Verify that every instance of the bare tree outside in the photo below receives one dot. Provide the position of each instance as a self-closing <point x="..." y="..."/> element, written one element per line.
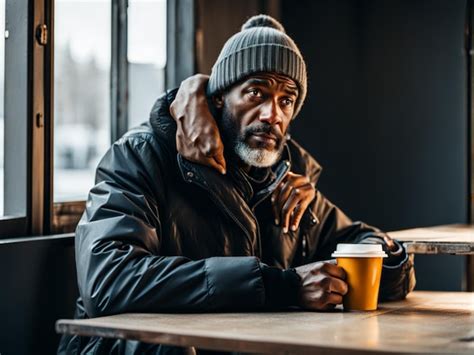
<point x="82" y="103"/>
<point x="82" y="83"/>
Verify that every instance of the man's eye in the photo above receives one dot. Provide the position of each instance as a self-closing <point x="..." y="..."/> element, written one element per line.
<point x="287" y="102"/>
<point x="255" y="92"/>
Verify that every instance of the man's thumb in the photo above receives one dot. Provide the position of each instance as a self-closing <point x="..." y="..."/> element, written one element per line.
<point x="220" y="161"/>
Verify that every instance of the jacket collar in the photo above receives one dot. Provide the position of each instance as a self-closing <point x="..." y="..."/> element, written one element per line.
<point x="211" y="179"/>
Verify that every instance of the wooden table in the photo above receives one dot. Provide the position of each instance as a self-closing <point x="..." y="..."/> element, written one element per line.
<point x="426" y="322"/>
<point x="449" y="239"/>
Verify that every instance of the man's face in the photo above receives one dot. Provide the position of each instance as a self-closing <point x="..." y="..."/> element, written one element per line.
<point x="256" y="114"/>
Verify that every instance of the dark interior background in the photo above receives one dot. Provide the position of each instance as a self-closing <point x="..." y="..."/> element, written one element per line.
<point x="385" y="116"/>
<point x="386" y="113"/>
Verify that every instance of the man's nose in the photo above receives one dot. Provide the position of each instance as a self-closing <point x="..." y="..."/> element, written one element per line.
<point x="270" y="113"/>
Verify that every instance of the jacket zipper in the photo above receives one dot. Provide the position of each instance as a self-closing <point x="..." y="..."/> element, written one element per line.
<point x="259" y="240"/>
<point x="218" y="201"/>
<point x="303" y="247"/>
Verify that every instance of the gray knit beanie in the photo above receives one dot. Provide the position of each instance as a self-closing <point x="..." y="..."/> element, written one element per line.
<point x="261" y="46"/>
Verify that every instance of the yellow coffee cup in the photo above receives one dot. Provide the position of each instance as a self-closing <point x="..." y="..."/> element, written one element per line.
<point x="363" y="266"/>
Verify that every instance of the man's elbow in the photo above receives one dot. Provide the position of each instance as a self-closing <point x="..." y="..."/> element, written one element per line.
<point x="396" y="294"/>
<point x="398" y="283"/>
<point x="97" y="304"/>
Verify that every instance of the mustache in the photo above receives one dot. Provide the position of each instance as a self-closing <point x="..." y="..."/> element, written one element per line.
<point x="263" y="128"/>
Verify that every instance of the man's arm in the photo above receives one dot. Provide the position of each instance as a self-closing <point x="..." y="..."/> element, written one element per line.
<point x="118" y="243"/>
<point x="197" y="136"/>
<point x="334" y="226"/>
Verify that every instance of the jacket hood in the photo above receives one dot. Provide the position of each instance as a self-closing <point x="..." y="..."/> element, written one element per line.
<point x="160" y="118"/>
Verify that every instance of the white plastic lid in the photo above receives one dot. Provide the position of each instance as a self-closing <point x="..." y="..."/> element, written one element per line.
<point x="359" y="251"/>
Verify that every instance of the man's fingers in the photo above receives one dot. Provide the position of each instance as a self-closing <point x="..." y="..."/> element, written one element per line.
<point x="331" y="270"/>
<point x="338" y="286"/>
<point x="290" y="182"/>
<point x="325" y="301"/>
<point x="210" y="162"/>
<point x="276" y="214"/>
<point x="282" y="199"/>
<point x="172" y="110"/>
<point x="327" y="283"/>
<point x="334" y="299"/>
<point x="297" y="215"/>
<point x="289" y="207"/>
<point x="292" y="211"/>
<point x="289" y="200"/>
<point x="307" y="198"/>
<point x="279" y="189"/>
<point x="205" y="152"/>
<point x="220" y="160"/>
<point x="214" y="163"/>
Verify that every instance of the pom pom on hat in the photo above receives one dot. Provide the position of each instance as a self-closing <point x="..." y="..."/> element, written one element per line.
<point x="263" y="21"/>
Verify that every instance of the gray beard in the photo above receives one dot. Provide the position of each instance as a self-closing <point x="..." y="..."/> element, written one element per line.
<point x="257" y="157"/>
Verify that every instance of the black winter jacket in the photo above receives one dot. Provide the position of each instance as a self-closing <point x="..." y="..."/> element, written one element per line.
<point x="162" y="234"/>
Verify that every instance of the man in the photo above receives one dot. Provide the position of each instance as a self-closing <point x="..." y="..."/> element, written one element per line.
<point x="164" y="234"/>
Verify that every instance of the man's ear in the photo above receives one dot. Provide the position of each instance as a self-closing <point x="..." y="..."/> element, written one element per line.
<point x="218" y="101"/>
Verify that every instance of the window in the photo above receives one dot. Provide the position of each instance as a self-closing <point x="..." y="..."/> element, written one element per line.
<point x="82" y="83"/>
<point x="15" y="84"/>
<point x="82" y="94"/>
<point x="13" y="108"/>
<point x="104" y="83"/>
<point x="146" y="56"/>
<point x="2" y="86"/>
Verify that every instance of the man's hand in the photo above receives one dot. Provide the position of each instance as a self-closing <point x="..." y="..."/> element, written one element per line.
<point x="290" y="199"/>
<point x="197" y="136"/>
<point x="322" y="285"/>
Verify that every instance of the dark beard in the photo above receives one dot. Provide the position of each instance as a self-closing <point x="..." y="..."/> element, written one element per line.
<point x="228" y="129"/>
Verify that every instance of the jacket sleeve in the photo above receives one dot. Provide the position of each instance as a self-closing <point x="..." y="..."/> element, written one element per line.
<point x="333" y="226"/>
<point x="118" y="245"/>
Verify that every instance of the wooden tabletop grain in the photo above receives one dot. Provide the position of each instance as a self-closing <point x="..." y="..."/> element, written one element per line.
<point x="448" y="239"/>
<point x="426" y="322"/>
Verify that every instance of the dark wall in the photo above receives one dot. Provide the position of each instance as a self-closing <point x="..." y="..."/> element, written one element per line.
<point x="386" y="113"/>
<point x="37" y="287"/>
<point x="217" y="20"/>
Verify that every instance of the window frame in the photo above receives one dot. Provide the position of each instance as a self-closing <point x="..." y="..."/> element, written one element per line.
<point x="23" y="137"/>
<point x="119" y="69"/>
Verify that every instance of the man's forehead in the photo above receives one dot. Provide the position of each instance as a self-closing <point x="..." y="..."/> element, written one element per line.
<point x="272" y="79"/>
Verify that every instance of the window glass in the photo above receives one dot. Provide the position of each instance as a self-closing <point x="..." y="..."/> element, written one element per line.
<point x="2" y="86"/>
<point x="82" y="94"/>
<point x="146" y="56"/>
